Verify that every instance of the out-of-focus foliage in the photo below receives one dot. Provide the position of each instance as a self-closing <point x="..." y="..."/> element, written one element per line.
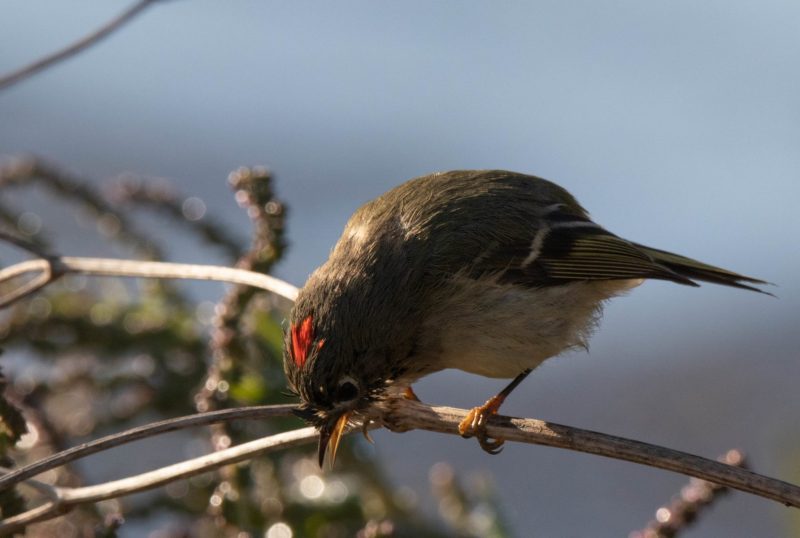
<point x="87" y="357"/>
<point x="12" y="428"/>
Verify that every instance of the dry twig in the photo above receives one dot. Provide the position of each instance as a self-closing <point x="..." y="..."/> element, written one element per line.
<point x="405" y="415"/>
<point x="684" y="508"/>
<point x="67" y="498"/>
<point x="22" y="73"/>
<point x="64" y="457"/>
<point x="58" y="266"/>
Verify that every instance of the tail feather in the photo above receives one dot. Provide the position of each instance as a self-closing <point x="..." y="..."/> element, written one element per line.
<point x="695" y="270"/>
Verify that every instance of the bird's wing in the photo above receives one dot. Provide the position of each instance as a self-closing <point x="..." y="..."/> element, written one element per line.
<point x="701" y="271"/>
<point x="567" y="246"/>
<point x="539" y="236"/>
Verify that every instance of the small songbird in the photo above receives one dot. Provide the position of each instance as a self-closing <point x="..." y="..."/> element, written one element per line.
<point x="487" y="271"/>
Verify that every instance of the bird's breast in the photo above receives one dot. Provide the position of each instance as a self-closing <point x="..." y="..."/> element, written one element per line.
<point x="499" y="330"/>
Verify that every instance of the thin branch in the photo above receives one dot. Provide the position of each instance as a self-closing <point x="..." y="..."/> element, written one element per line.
<point x="406" y="414"/>
<point x="33" y="285"/>
<point x="189" y="468"/>
<point x="403" y="415"/>
<point x="23" y="244"/>
<point x="12" y="477"/>
<point x="150" y="193"/>
<point x="143" y="269"/>
<point x="41" y="280"/>
<point x="684" y="508"/>
<point x="24" y="171"/>
<point x="70" y="497"/>
<point x="24" y="72"/>
<point x="45" y="489"/>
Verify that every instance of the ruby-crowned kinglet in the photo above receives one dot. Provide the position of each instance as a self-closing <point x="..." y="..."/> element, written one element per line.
<point x="490" y="272"/>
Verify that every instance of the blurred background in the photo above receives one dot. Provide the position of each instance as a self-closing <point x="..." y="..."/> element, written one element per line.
<point x="676" y="125"/>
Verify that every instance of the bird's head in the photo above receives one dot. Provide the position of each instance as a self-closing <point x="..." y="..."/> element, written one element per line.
<point x="333" y="391"/>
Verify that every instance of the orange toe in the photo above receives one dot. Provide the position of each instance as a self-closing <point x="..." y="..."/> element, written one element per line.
<point x="474" y="425"/>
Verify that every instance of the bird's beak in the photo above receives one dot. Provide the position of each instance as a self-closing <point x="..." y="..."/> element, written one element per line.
<point x="330" y="434"/>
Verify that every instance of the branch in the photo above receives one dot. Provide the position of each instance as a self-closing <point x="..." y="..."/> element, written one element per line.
<point x="22" y="73"/>
<point x="684" y="508"/>
<point x="403" y="415"/>
<point x="24" y="171"/>
<point x="67" y="498"/>
<point x="12" y="477"/>
<point x="61" y="265"/>
<point x="406" y="414"/>
<point x="151" y="193"/>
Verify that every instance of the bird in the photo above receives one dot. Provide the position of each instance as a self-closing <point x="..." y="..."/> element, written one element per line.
<point x="487" y="271"/>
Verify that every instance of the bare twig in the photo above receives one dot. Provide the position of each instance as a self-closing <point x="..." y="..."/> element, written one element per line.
<point x="24" y="244"/>
<point x="41" y="280"/>
<point x="45" y="489"/>
<point x="70" y="497"/>
<point x="12" y="477"/>
<point x="12" y="78"/>
<point x="24" y="171"/>
<point x="144" y="269"/>
<point x="406" y="414"/>
<point x="145" y="192"/>
<point x="684" y="508"/>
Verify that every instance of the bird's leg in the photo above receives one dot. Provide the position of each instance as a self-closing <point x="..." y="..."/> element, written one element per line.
<point x="474" y="424"/>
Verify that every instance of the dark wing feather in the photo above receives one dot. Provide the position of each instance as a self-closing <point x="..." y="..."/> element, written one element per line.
<point x="701" y="271"/>
<point x="595" y="254"/>
<point x="589" y="253"/>
<point x="541" y="236"/>
<point x="592" y="253"/>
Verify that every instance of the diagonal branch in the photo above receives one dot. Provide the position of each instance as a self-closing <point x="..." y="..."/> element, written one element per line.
<point x="12" y="477"/>
<point x="407" y="414"/>
<point x="67" y="498"/>
<point x="24" y="72"/>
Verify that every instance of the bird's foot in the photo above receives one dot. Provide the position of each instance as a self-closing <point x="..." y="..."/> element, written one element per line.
<point x="474" y="425"/>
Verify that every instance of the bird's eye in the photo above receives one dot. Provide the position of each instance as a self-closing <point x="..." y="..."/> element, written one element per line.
<point x="347" y="390"/>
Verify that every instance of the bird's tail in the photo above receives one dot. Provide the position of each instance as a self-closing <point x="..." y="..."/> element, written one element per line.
<point x="695" y="270"/>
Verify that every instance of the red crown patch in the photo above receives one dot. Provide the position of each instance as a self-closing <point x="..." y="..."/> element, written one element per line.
<point x="302" y="337"/>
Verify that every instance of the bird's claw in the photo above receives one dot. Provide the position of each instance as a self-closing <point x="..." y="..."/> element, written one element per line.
<point x="365" y="432"/>
<point x="492" y="446"/>
<point x="474" y="425"/>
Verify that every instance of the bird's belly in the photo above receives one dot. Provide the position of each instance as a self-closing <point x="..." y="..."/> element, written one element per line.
<point x="497" y="330"/>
